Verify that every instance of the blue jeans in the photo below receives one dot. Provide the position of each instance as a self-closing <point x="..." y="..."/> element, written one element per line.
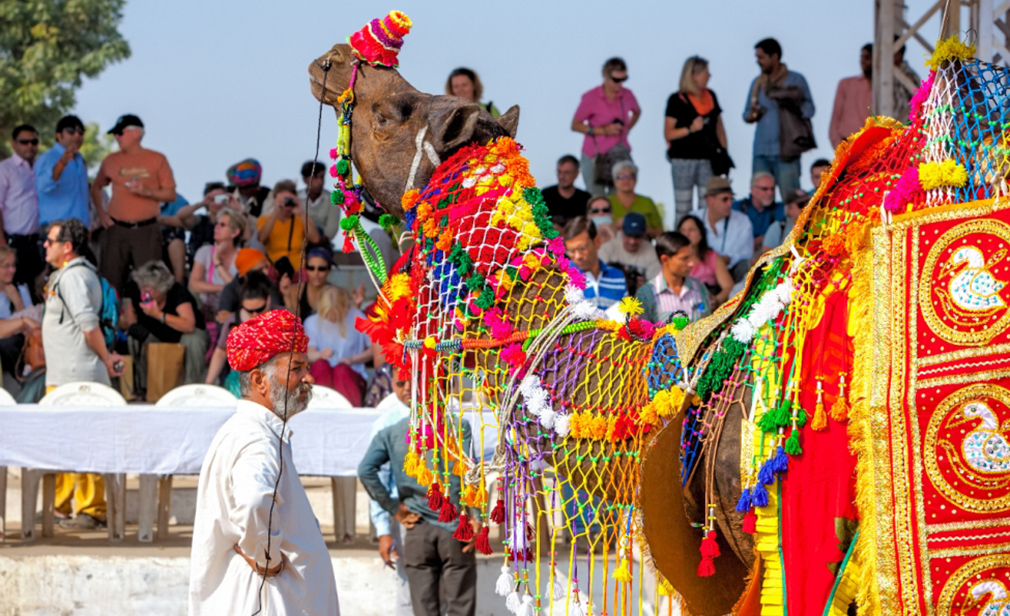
<point x="787" y="173"/>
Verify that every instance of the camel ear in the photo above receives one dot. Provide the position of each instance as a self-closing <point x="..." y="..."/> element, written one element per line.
<point x="510" y="121"/>
<point x="455" y="128"/>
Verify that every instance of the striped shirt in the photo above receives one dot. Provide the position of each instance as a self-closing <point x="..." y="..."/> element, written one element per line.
<point x="660" y="303"/>
<point x="608" y="289"/>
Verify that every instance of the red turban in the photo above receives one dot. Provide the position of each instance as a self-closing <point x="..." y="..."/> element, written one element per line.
<point x="257" y="340"/>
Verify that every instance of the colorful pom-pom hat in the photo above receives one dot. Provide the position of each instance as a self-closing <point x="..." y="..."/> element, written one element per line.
<point x="379" y="42"/>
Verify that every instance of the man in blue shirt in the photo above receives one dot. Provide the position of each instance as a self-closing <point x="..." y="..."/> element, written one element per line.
<point x="441" y="570"/>
<point x="776" y="83"/>
<point x="61" y="176"/>
<point x="760" y="205"/>
<point x="395" y="407"/>
<point x="605" y="285"/>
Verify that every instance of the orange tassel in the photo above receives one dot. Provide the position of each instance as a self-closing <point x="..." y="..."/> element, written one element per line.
<point x="840" y="409"/>
<point x="820" y="421"/>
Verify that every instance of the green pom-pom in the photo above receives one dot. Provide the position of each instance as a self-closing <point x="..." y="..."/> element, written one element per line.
<point x="475" y="282"/>
<point x="801" y="416"/>
<point x="680" y="322"/>
<point x="343" y="166"/>
<point x="337" y="197"/>
<point x="486" y="298"/>
<point x="783" y="414"/>
<point x="767" y="422"/>
<point x="349" y="223"/>
<point x="388" y="221"/>
<point x="793" y="444"/>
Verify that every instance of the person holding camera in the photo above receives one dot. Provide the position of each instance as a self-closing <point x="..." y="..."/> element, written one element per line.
<point x="606" y="114"/>
<point x="283" y="230"/>
<point x="201" y="227"/>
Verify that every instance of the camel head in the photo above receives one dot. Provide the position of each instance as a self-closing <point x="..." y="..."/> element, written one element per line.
<point x="399" y="135"/>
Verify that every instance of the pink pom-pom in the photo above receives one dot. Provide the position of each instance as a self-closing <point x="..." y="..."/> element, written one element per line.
<point x="915" y="105"/>
<point x="906" y="190"/>
<point x="333" y="171"/>
<point x="333" y="152"/>
<point x="514" y="355"/>
<point x="557" y="246"/>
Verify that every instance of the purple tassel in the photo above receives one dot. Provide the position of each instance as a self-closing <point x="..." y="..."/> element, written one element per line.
<point x="744" y="504"/>
<point x="760" y="495"/>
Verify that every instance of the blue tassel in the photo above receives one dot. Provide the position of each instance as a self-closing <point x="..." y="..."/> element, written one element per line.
<point x="780" y="463"/>
<point x="760" y="495"/>
<point x="744" y="504"/>
<point x="767" y="474"/>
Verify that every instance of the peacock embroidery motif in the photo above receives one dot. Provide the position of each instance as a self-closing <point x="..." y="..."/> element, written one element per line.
<point x="997" y="604"/>
<point x="985" y="448"/>
<point x="973" y="288"/>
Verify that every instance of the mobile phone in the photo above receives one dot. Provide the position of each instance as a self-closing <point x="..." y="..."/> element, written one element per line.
<point x="221" y="199"/>
<point x="146" y="298"/>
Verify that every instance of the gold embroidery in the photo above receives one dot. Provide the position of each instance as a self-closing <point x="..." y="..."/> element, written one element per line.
<point x="959" y="293"/>
<point x="960" y="354"/>
<point x="949" y="526"/>
<point x="979" y="569"/>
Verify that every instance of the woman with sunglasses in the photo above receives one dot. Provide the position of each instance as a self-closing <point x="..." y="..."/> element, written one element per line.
<point x="318" y="262"/>
<point x="599" y="211"/>
<point x="255" y="300"/>
<point x="606" y="114"/>
<point x="214" y="264"/>
<point x="694" y="136"/>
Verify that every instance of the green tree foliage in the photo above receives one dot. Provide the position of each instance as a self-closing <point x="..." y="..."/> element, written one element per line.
<point x="47" y="48"/>
<point x="97" y="145"/>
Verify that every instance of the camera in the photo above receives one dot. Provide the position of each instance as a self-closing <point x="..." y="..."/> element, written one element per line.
<point x="289" y="202"/>
<point x="221" y="199"/>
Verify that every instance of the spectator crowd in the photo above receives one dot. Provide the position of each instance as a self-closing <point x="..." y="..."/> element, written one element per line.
<point x="119" y="277"/>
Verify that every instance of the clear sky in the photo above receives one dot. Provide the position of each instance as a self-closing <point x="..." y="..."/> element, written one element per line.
<point x="216" y="81"/>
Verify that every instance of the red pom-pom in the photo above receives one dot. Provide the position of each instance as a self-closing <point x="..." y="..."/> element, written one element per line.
<point x="498" y="513"/>
<point x="348" y="244"/>
<point x="706" y="567"/>
<point x="448" y="512"/>
<point x="464" y="532"/>
<point x="750" y="522"/>
<point x="434" y="497"/>
<point x="482" y="543"/>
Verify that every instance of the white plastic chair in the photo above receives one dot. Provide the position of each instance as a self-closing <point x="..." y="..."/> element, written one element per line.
<point x="73" y="394"/>
<point x="6" y="399"/>
<point x="197" y="395"/>
<point x="326" y="398"/>
<point x="156" y="490"/>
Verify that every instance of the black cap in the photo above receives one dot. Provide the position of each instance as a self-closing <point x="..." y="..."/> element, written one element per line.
<point x="124" y="121"/>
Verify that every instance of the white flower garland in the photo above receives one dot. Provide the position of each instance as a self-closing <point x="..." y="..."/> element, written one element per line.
<point x="768" y="308"/>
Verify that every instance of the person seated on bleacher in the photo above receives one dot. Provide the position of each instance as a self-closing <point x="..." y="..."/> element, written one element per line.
<point x="318" y="262"/>
<point x="15" y="299"/>
<point x="247" y="260"/>
<point x="337" y="350"/>
<point x="162" y="310"/>
<point x="255" y="300"/>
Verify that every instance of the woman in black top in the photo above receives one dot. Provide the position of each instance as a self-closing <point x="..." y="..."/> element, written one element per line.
<point x="695" y="137"/>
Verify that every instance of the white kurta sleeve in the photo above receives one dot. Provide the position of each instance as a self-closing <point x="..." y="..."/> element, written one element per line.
<point x="252" y="482"/>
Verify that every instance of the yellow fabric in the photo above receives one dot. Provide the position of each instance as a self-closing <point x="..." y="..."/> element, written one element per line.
<point x="87" y="491"/>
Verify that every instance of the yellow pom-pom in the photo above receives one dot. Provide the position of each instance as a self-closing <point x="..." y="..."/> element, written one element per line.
<point x="630" y="306"/>
<point x="946" y="173"/>
<point x="424" y="476"/>
<point x="950" y="49"/>
<point x="429" y="342"/>
<point x="598" y="428"/>
<point x="623" y="571"/>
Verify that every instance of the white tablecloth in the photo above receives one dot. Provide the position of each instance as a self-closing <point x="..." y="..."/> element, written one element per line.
<point x="165" y="440"/>
<point x="174" y="441"/>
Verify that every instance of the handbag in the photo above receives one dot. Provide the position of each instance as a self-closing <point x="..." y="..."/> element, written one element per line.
<point x="164" y="368"/>
<point x="796" y="134"/>
<point x="603" y="164"/>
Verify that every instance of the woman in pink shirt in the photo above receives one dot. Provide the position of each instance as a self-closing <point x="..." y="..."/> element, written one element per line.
<point x="605" y="116"/>
<point x="708" y="267"/>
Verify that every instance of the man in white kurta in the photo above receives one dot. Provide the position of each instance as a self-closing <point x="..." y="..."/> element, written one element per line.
<point x="237" y="546"/>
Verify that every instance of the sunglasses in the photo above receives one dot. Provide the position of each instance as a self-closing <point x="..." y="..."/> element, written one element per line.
<point x="255" y="310"/>
<point x="597" y="210"/>
<point x="221" y="223"/>
<point x="618" y="79"/>
<point x="51" y="240"/>
<point x="318" y="268"/>
<point x="28" y="141"/>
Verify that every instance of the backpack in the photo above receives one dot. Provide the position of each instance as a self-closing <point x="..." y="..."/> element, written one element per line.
<point x="108" y="316"/>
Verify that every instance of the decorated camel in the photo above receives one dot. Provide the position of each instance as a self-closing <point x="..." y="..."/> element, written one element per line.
<point x="836" y="433"/>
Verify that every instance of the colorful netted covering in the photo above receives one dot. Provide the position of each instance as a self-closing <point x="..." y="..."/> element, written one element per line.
<point x="487" y="316"/>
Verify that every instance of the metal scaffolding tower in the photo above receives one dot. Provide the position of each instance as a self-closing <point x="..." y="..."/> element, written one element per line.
<point x="982" y="20"/>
